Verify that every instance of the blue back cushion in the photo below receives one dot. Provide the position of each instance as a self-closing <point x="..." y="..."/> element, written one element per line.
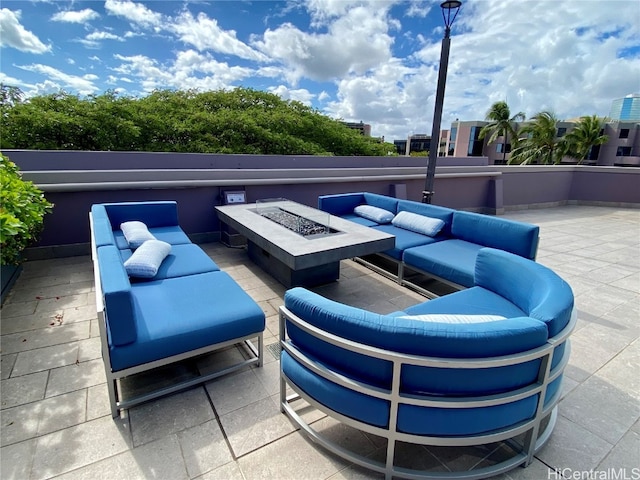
<point x="434" y="211"/>
<point x="340" y="204"/>
<point x="381" y="201"/>
<point x="152" y="214"/>
<point x="102" y="231"/>
<point x="417" y="338"/>
<point x="116" y="291"/>
<point x="515" y="237"/>
<point x="534" y="288"/>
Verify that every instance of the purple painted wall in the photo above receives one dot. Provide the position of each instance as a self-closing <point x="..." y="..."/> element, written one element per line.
<point x="476" y="187"/>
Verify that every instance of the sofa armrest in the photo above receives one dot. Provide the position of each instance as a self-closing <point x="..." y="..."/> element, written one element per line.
<point x="116" y="292"/>
<point x="340" y="204"/>
<point x="508" y="235"/>
<point x="152" y="214"/>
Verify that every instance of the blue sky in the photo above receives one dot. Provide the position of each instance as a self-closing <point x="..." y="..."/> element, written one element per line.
<point x="371" y="61"/>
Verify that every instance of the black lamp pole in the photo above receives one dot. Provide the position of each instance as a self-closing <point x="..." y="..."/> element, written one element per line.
<point x="450" y="11"/>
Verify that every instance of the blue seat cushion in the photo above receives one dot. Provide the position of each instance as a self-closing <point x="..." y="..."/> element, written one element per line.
<point x="352" y="217"/>
<point x="178" y="315"/>
<point x="184" y="259"/>
<point x="172" y="235"/>
<point x="404" y="239"/>
<point x="453" y="260"/>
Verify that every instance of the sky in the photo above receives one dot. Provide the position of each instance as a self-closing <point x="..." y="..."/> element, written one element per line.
<point x="371" y="61"/>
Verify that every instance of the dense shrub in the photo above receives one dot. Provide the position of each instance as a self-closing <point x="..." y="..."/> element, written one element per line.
<point x="22" y="210"/>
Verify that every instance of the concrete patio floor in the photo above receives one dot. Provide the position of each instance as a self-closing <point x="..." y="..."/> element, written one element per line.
<point x="56" y="423"/>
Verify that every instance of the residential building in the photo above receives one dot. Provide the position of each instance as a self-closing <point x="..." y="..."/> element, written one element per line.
<point x="626" y="109"/>
<point x="622" y="147"/>
<point x="363" y="128"/>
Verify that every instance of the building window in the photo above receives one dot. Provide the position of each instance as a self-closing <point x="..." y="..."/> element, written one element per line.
<point x="624" y="133"/>
<point x="475" y="144"/>
<point x="452" y="134"/>
<point x="500" y="145"/>
<point x="561" y="132"/>
<point x="451" y="150"/>
<point x="623" y="152"/>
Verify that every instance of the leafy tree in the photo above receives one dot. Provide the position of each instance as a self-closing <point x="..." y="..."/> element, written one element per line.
<point x="502" y="125"/>
<point x="538" y="141"/>
<point x="236" y="121"/>
<point x="585" y="135"/>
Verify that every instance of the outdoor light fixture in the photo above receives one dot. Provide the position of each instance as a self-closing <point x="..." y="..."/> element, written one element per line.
<point x="450" y="10"/>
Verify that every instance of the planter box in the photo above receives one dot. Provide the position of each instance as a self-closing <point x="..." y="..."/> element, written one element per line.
<point x="9" y="274"/>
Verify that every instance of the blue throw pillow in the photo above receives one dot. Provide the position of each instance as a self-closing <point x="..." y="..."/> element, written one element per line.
<point x="146" y="260"/>
<point x="418" y="223"/>
<point x="375" y="214"/>
<point x="136" y="233"/>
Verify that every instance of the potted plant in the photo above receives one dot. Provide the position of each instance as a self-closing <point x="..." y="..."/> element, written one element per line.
<point x="22" y="209"/>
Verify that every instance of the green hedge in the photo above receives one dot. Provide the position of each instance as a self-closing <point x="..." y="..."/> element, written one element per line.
<point x="21" y="212"/>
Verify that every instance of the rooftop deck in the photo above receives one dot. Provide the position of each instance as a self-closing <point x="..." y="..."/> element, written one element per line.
<point x="56" y="422"/>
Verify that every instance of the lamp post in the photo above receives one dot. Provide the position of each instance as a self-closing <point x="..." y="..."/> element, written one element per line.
<point x="450" y="10"/>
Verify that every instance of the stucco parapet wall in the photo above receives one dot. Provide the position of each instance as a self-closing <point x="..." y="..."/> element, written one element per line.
<point x="88" y="180"/>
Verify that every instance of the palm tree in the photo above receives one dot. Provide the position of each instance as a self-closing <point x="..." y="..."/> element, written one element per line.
<point x="502" y="124"/>
<point x="586" y="134"/>
<point x="539" y="142"/>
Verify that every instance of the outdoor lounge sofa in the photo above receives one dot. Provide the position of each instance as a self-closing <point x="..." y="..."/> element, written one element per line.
<point x="448" y="253"/>
<point x="446" y="372"/>
<point x="182" y="308"/>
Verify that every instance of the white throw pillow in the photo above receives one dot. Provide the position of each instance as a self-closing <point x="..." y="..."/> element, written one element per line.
<point x="375" y="214"/>
<point x="454" y="318"/>
<point x="136" y="233"/>
<point x="418" y="223"/>
<point x="146" y="260"/>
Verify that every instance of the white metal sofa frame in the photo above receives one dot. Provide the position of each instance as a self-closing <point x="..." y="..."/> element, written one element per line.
<point x="534" y="439"/>
<point x="399" y="277"/>
<point x="255" y="355"/>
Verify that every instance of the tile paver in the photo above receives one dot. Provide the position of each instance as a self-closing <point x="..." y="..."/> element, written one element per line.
<point x="55" y="416"/>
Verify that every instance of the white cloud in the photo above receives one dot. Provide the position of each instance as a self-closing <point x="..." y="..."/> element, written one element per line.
<point x="16" y="36"/>
<point x="79" y="16"/>
<point x="204" y="33"/>
<point x="354" y="43"/>
<point x="95" y="36"/>
<point x="301" y="95"/>
<point x="189" y="70"/>
<point x="549" y="55"/>
<point x="83" y="85"/>
<point x="136" y="13"/>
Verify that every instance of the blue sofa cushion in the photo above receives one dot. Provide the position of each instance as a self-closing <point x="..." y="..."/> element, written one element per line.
<point x="340" y="204"/>
<point x="381" y="201"/>
<point x="453" y="260"/>
<point x="454" y="318"/>
<point x="511" y="236"/>
<point x="152" y="214"/>
<point x="404" y="239"/>
<point x="173" y="235"/>
<point x="116" y="290"/>
<point x="478" y="340"/>
<point x="184" y="259"/>
<point x="146" y="260"/>
<point x="101" y="226"/>
<point x="371" y="410"/>
<point x="376" y="214"/>
<point x="551" y="300"/>
<point x="418" y="223"/>
<point x="178" y="315"/>
<point x="352" y="217"/>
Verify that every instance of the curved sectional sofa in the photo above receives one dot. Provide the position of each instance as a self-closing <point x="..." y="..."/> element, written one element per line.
<point x="478" y="366"/>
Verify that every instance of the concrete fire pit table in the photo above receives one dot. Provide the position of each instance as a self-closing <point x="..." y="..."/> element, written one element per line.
<point x="305" y="249"/>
